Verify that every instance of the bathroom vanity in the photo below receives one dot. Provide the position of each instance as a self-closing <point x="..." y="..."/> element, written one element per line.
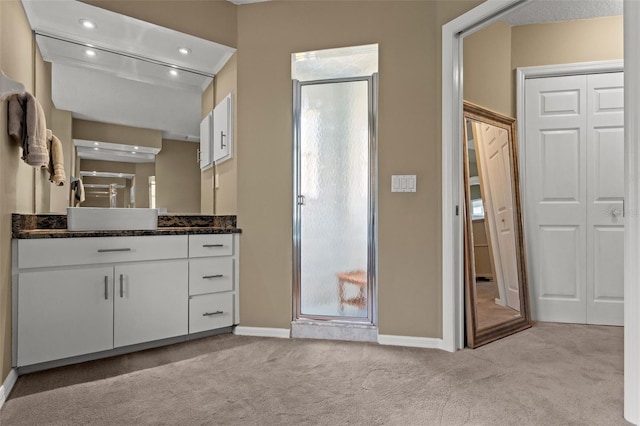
<point x="80" y="295"/>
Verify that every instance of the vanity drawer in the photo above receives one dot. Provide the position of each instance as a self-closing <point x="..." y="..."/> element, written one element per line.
<point x="210" y="311"/>
<point x="40" y="253"/>
<point x="205" y="245"/>
<point x="210" y="275"/>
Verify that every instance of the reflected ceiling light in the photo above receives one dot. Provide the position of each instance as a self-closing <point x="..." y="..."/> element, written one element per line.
<point x="173" y="73"/>
<point x="133" y="152"/>
<point x="90" y="53"/>
<point x="96" y="149"/>
<point x="135" y="147"/>
<point x="88" y="24"/>
<point x="184" y="50"/>
<point x="96" y="143"/>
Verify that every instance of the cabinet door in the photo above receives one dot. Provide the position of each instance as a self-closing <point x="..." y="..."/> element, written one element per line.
<point x="205" y="141"/>
<point x="64" y="313"/>
<point x="151" y="301"/>
<point x="223" y="130"/>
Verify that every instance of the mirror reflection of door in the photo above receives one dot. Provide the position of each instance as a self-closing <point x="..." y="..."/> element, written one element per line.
<point x="497" y="303"/>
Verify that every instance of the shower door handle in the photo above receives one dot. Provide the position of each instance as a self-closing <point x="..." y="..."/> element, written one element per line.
<point x="301" y="200"/>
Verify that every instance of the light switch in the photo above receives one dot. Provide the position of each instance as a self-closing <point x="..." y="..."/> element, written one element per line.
<point x="403" y="183"/>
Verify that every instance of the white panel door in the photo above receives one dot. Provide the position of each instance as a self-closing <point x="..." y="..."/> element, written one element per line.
<point x="222" y="139"/>
<point x="555" y="197"/>
<point x="573" y="178"/>
<point x="150" y="301"/>
<point x="494" y="165"/>
<point x="605" y="194"/>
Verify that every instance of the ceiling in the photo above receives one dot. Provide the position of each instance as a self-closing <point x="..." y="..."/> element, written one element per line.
<point x="542" y="11"/>
<point x="136" y="75"/>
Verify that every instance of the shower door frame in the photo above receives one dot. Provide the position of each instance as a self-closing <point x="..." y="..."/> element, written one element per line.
<point x="371" y="318"/>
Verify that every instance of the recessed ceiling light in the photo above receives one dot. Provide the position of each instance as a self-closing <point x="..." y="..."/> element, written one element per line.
<point x="173" y="73"/>
<point x="88" y="24"/>
<point x="135" y="147"/>
<point x="184" y="50"/>
<point x="96" y="143"/>
<point x="90" y="53"/>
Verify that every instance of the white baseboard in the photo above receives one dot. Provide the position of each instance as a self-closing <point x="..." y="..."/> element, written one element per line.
<point x="6" y="387"/>
<point x="283" y="333"/>
<point x="414" y="342"/>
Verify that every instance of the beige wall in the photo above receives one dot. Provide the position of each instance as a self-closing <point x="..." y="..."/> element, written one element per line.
<point x="567" y="42"/>
<point x="17" y="180"/>
<point x="178" y="177"/>
<point x="487" y="68"/>
<point x="226" y="174"/>
<point x="409" y="270"/>
<point x="114" y="133"/>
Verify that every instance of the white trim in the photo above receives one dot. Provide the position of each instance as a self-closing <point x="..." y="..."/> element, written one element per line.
<point x="411" y="341"/>
<point x="7" y="386"/>
<point x="283" y="333"/>
<point x="452" y="282"/>
<point x="632" y="212"/>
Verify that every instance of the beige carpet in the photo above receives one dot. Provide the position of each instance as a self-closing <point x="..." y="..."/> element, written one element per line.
<point x="551" y="374"/>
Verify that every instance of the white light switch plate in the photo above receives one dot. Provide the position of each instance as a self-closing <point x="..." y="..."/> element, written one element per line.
<point x="403" y="183"/>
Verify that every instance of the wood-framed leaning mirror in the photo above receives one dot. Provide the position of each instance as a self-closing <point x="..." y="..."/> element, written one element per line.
<point x="496" y="292"/>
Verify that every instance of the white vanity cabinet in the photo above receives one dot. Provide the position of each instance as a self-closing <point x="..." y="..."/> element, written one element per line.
<point x="213" y="282"/>
<point x="80" y="296"/>
<point x="77" y="296"/>
<point x="150" y="301"/>
<point x="64" y="313"/>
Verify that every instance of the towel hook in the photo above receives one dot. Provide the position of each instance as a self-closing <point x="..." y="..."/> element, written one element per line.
<point x="9" y="87"/>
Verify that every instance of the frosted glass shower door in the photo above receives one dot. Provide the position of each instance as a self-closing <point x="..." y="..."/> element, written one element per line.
<point x="333" y="198"/>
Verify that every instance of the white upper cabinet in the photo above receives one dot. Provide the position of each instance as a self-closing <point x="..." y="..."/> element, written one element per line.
<point x="206" y="127"/>
<point x="223" y="130"/>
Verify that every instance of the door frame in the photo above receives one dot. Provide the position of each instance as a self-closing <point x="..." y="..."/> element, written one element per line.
<point x="452" y="277"/>
<point x="372" y="247"/>
<point x="543" y="71"/>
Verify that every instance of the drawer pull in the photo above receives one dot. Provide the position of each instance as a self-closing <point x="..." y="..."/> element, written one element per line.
<point x="212" y="276"/>
<point x="121" y="285"/>
<point x="111" y="250"/>
<point x="212" y="245"/>
<point x="208" y="314"/>
<point x="106" y="287"/>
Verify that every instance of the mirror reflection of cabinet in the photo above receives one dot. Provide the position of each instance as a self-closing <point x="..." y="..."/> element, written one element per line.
<point x="206" y="129"/>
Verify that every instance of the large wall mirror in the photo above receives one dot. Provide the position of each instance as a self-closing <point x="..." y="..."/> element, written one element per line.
<point x="496" y="291"/>
<point x="133" y="94"/>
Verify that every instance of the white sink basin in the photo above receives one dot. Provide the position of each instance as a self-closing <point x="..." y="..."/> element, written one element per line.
<point x="110" y="219"/>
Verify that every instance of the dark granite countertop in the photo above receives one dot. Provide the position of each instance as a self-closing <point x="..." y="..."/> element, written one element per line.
<point x="28" y="226"/>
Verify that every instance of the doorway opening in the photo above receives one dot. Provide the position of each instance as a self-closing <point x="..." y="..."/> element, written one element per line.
<point x="334" y="194"/>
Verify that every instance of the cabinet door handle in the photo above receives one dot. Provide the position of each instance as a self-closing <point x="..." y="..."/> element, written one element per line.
<point x="110" y="250"/>
<point x="208" y="314"/>
<point x="121" y="285"/>
<point x="198" y="156"/>
<point x="212" y="245"/>
<point x="222" y="136"/>
<point x="212" y="276"/>
<point x="106" y="287"/>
